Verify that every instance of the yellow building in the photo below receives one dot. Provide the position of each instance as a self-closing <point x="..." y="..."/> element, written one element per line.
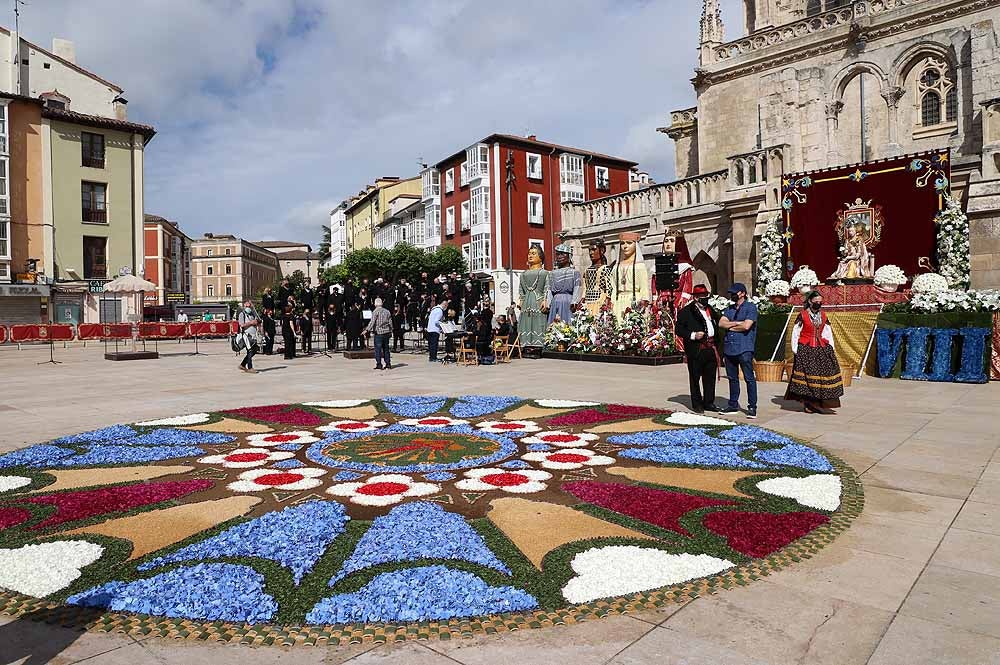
<point x="366" y="209"/>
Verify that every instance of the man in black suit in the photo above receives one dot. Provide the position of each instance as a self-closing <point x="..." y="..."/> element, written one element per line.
<point x="270" y="329"/>
<point x="696" y="325"/>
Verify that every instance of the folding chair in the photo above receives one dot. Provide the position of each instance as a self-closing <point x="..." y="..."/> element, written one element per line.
<point x="507" y="350"/>
<point x="467" y="351"/>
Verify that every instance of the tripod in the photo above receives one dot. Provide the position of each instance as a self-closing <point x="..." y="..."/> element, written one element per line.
<point x="52" y="358"/>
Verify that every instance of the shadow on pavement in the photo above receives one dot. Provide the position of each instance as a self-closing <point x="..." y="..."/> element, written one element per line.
<point x="42" y="635"/>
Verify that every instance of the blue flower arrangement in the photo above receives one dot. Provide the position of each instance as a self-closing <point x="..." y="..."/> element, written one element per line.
<point x="295" y="537"/>
<point x="420" y="594"/>
<point x="104" y="454"/>
<point x="419" y="530"/>
<point x="288" y="446"/>
<point x="123" y="435"/>
<point x="36" y="456"/>
<point x="539" y="447"/>
<point x="795" y="454"/>
<point x="751" y="434"/>
<point x="345" y="476"/>
<point x="506" y="449"/>
<point x="472" y="406"/>
<point x="515" y="464"/>
<point x="415" y="406"/>
<point x="104" y="434"/>
<point x="288" y="464"/>
<point x="694" y="436"/>
<point x="727" y="455"/>
<point x="214" y="592"/>
<point x="438" y="476"/>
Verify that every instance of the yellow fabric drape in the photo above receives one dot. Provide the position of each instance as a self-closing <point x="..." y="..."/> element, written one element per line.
<point x="851" y="332"/>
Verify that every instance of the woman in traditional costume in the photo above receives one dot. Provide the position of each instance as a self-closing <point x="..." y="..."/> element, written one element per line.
<point x="816" y="379"/>
<point x="631" y="279"/>
<point x="533" y="287"/>
<point x="674" y="243"/>
<point x="564" y="286"/>
<point x="597" y="279"/>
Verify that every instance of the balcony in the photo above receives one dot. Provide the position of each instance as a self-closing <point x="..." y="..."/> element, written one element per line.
<point x="431" y="181"/>
<point x="93" y="216"/>
<point x="753" y="169"/>
<point x="93" y="162"/>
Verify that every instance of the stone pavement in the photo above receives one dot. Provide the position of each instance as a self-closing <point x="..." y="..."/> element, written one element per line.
<point x="916" y="579"/>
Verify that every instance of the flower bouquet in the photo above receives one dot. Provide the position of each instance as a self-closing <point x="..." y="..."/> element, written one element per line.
<point x="558" y="335"/>
<point x="929" y="282"/>
<point x="777" y="290"/>
<point x="889" y="277"/>
<point x="805" y="280"/>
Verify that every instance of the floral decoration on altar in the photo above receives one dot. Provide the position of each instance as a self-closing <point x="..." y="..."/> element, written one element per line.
<point x="408" y="509"/>
<point x="640" y="332"/>
<point x="953" y="244"/>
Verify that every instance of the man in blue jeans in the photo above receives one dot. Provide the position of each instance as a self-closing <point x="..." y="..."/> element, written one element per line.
<point x="740" y="323"/>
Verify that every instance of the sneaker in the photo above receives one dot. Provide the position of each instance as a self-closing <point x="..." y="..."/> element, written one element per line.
<point x="729" y="411"/>
<point x="752" y="414"/>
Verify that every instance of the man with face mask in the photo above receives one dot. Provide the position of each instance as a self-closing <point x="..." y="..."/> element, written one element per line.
<point x="740" y="323"/>
<point x="696" y="326"/>
<point x="248" y="326"/>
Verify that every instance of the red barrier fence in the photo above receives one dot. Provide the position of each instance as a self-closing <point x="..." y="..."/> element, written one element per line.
<point x="100" y="331"/>
<point x="162" y="330"/>
<point x="56" y="332"/>
<point x="3" y="334"/>
<point x="210" y="328"/>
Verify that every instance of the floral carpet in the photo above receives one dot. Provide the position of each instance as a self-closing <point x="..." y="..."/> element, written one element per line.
<point x="382" y="519"/>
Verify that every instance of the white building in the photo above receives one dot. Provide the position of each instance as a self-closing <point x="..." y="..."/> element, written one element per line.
<point x="431" y="199"/>
<point x="338" y="234"/>
<point x="402" y="222"/>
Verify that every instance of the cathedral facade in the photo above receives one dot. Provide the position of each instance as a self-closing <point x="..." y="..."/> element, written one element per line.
<point x="817" y="84"/>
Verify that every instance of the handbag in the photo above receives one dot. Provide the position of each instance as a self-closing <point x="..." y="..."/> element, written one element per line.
<point x="238" y="342"/>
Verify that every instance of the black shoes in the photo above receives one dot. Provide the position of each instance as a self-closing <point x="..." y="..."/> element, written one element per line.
<point x="712" y="408"/>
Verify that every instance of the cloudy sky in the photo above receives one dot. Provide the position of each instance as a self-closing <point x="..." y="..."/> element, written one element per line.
<point x="270" y="112"/>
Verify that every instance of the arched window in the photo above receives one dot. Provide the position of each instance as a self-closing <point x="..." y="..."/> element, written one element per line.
<point x="739" y="173"/>
<point x="937" y="95"/>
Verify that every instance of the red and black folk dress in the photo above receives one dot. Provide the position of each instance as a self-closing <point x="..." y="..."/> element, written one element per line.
<point x="816" y="379"/>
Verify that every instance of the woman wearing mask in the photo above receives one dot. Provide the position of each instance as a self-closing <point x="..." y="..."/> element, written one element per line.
<point x="248" y="326"/>
<point x="816" y="380"/>
<point x="288" y="331"/>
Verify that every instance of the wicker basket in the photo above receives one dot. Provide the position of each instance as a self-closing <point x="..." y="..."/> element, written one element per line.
<point x="769" y="371"/>
<point x="847" y="372"/>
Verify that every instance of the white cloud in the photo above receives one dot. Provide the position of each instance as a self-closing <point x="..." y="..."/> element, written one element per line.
<point x="268" y="111"/>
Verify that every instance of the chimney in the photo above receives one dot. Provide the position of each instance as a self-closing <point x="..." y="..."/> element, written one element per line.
<point x="120" y="106"/>
<point x="65" y="49"/>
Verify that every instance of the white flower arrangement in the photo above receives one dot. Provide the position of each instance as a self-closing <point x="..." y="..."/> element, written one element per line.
<point x="771" y="244"/>
<point x="615" y="570"/>
<point x="929" y="282"/>
<point x="804" y="277"/>
<point x="953" y="244"/>
<point x="820" y="491"/>
<point x="777" y="287"/>
<point x="41" y="569"/>
<point x="987" y="300"/>
<point x="719" y="302"/>
<point x="889" y="274"/>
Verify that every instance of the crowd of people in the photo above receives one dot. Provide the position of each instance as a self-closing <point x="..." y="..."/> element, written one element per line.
<point x="374" y="313"/>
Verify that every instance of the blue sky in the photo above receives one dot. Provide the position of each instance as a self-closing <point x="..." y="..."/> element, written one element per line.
<point x="270" y="112"/>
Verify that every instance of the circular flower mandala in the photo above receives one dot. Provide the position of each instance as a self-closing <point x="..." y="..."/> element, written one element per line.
<point x="402" y="509"/>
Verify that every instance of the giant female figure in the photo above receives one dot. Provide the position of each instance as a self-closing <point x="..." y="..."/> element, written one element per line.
<point x="534" y="286"/>
<point x="631" y="279"/>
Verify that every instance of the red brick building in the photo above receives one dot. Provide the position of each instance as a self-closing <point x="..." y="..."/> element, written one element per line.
<point x="466" y="203"/>
<point x="167" y="261"/>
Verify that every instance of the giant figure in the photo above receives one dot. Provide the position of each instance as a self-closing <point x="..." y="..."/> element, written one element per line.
<point x="533" y="288"/>
<point x="631" y="279"/>
<point x="564" y="286"/>
<point x="597" y="278"/>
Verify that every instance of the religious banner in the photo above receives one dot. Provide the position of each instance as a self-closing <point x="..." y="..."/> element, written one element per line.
<point x="162" y="330"/>
<point x="995" y="349"/>
<point x="845" y="222"/>
<point x="3" y="334"/>
<point x="89" y="331"/>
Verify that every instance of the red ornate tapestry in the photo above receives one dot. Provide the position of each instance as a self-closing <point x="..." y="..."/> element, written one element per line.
<point x="33" y="332"/>
<point x="3" y="334"/>
<point x="854" y="294"/>
<point x="995" y="353"/>
<point x="162" y="330"/>
<point x="906" y="192"/>
<point x="88" y="331"/>
<point x="209" y="328"/>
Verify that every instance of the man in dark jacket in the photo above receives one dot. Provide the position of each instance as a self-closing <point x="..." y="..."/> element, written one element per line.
<point x="270" y="330"/>
<point x="267" y="300"/>
<point x="307" y="298"/>
<point x="306" y="330"/>
<point x="696" y="325"/>
<point x="284" y="293"/>
<point x="332" y="325"/>
<point x="398" y="319"/>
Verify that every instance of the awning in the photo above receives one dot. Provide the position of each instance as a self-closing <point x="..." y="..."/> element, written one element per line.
<point x="24" y="290"/>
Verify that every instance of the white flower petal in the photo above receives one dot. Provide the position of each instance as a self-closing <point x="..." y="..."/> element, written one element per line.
<point x="344" y="489"/>
<point x="43" y="568"/>
<point x="615" y="570"/>
<point x="8" y="483"/>
<point x="524" y="488"/>
<point x="685" y="418"/>
<point x="474" y="485"/>
<point x="338" y="403"/>
<point x="562" y="403"/>
<point x="192" y="419"/>
<point x="376" y="500"/>
<point x="821" y="491"/>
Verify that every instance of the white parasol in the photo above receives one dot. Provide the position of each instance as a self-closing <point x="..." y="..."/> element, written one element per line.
<point x="129" y="284"/>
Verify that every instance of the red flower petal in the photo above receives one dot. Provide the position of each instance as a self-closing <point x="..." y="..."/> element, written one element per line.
<point x="505" y="479"/>
<point x="383" y="488"/>
<point x="569" y="458"/>
<point x="88" y="503"/>
<point x="350" y="426"/>
<point x="434" y="421"/>
<point x="611" y="412"/>
<point x="659" y="507"/>
<point x="246" y="457"/>
<point x="280" y="438"/>
<point x="278" y="413"/>
<point x="559" y="438"/>
<point x="508" y="426"/>
<point x="760" y="534"/>
<point x="12" y="517"/>
<point x="272" y="479"/>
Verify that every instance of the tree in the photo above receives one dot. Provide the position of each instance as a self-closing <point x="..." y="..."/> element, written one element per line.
<point x="407" y="262"/>
<point x="334" y="274"/>
<point x="447" y="259"/>
<point x="370" y="262"/>
<point x="324" y="246"/>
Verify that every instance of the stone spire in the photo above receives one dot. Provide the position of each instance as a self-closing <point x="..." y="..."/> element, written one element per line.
<point x="712" y="29"/>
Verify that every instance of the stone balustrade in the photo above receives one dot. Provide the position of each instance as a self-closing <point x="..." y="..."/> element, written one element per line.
<point x="755" y="168"/>
<point x="808" y="26"/>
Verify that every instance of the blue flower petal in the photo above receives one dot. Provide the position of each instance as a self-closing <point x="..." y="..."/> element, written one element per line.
<point x="414" y="407"/>
<point x="295" y="537"/>
<point x="472" y="406"/>
<point x="346" y="475"/>
<point x="795" y="455"/>
<point x="751" y="434"/>
<point x="121" y="432"/>
<point x="439" y="476"/>
<point x="515" y="464"/>
<point x="539" y="447"/>
<point x="38" y="456"/>
<point x="104" y="454"/>
<point x="288" y="464"/>
<point x="420" y="594"/>
<point x="415" y="531"/>
<point x="698" y="455"/>
<point x="215" y="591"/>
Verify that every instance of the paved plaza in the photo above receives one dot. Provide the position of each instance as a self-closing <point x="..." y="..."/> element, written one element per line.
<point x="915" y="579"/>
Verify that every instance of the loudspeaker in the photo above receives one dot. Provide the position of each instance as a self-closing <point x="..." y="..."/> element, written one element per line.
<point x="666" y="272"/>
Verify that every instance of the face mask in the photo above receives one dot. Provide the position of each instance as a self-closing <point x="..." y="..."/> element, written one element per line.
<point x="816" y="306"/>
<point x="247" y="309"/>
<point x="703" y="301"/>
